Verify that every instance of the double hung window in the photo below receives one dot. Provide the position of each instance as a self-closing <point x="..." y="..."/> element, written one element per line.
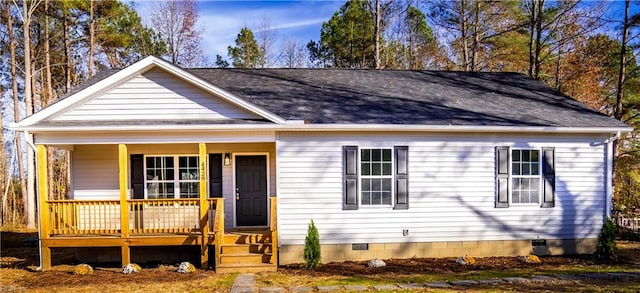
<point x="172" y="177"/>
<point x="525" y="176"/>
<point x="376" y="177"/>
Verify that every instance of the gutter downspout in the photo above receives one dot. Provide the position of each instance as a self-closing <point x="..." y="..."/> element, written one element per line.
<point x="35" y="149"/>
<point x="609" y="180"/>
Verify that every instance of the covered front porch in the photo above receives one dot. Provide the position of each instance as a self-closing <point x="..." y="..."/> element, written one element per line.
<point x="166" y="195"/>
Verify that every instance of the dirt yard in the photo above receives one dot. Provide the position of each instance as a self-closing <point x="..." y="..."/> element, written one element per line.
<point x="19" y="259"/>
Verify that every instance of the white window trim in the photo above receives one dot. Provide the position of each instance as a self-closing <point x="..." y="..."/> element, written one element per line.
<point x="360" y="177"/>
<point x="176" y="174"/>
<point x="539" y="176"/>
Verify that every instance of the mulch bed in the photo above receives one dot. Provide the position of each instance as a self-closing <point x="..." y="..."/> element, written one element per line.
<point x="440" y="266"/>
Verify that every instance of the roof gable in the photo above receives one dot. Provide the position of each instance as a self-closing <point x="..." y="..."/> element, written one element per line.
<point x="154" y="95"/>
<point x="149" y="68"/>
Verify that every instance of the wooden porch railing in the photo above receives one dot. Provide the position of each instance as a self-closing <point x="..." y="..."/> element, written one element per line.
<point x="218" y="224"/>
<point x="152" y="216"/>
<point x="145" y="216"/>
<point x="77" y="217"/>
<point x="273" y="226"/>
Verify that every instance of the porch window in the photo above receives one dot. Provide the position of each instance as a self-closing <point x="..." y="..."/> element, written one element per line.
<point x="162" y="180"/>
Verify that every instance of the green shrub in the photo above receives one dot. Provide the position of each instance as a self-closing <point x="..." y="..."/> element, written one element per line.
<point x="606" y="246"/>
<point x="312" y="247"/>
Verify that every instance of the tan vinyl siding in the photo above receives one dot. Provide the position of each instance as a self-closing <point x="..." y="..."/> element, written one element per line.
<point x="451" y="190"/>
<point x="155" y="95"/>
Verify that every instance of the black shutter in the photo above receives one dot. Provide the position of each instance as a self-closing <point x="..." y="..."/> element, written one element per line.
<point x="401" y="177"/>
<point x="137" y="176"/>
<point x="502" y="177"/>
<point x="350" y="178"/>
<point x="215" y="175"/>
<point x="549" y="176"/>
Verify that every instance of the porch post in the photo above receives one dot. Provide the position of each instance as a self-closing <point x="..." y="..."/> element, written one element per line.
<point x="43" y="207"/>
<point x="124" y="206"/>
<point x="204" y="207"/>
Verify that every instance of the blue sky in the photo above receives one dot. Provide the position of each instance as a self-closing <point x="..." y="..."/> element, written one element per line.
<point x="291" y="20"/>
<point x="222" y="20"/>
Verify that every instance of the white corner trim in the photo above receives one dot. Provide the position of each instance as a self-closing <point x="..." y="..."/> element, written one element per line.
<point x="138" y="68"/>
<point x="609" y="176"/>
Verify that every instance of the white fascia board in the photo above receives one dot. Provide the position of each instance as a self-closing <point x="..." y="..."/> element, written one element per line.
<point x="133" y="70"/>
<point x="332" y="127"/>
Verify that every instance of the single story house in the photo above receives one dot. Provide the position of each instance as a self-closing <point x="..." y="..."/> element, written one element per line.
<point x="387" y="163"/>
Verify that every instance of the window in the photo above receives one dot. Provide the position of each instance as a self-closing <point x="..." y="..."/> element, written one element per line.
<point x="376" y="176"/>
<point x="525" y="176"/>
<point x="162" y="180"/>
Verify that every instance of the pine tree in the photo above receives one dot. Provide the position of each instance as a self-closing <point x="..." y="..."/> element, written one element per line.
<point x="348" y="37"/>
<point x="606" y="246"/>
<point x="246" y="53"/>
<point x="312" y="247"/>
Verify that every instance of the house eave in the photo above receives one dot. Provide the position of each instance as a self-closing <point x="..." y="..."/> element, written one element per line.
<point x="328" y="127"/>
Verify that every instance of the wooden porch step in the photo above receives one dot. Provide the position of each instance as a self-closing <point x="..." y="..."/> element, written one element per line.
<point x="245" y="258"/>
<point x="246" y="248"/>
<point x="256" y="268"/>
<point x="246" y="238"/>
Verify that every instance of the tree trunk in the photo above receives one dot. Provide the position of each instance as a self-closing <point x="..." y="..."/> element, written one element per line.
<point x="476" y="37"/>
<point x="532" y="31"/>
<point x="3" y="161"/>
<point x="463" y="36"/>
<point x="16" y="108"/>
<point x="377" y="29"/>
<point x="538" y="47"/>
<point x="617" y="113"/>
<point x="47" y="54"/>
<point x="67" y="51"/>
<point x="28" y="97"/>
<point x="92" y="38"/>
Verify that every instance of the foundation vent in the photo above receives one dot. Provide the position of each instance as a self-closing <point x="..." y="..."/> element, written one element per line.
<point x="538" y="242"/>
<point x="360" y="246"/>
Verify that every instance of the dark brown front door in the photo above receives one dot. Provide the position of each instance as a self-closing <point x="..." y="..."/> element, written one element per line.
<point x="251" y="190"/>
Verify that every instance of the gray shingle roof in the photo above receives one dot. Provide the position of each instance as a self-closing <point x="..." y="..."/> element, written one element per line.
<point x="406" y="97"/>
<point x="401" y="97"/>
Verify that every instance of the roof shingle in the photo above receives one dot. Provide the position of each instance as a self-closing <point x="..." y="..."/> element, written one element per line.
<point x="406" y="97"/>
